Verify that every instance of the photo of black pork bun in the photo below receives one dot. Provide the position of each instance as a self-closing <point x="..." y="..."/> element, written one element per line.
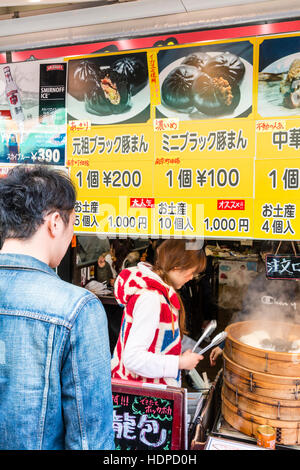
<point x="133" y="70"/>
<point x="82" y="77"/>
<point x="110" y="95"/>
<point x="214" y="96"/>
<point x="226" y="65"/>
<point x="197" y="59"/>
<point x="177" y="86"/>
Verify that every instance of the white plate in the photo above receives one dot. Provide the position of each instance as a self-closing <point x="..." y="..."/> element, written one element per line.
<point x="138" y="103"/>
<point x="245" y="89"/>
<point x="269" y="97"/>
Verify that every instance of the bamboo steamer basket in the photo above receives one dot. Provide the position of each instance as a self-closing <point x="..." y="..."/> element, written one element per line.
<point x="265" y="385"/>
<point x="261" y="386"/>
<point x="287" y="432"/>
<point x="262" y="360"/>
<point x="269" y="408"/>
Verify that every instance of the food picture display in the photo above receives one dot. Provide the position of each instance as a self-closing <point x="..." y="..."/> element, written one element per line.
<point x="148" y="159"/>
<point x="206" y="82"/>
<point x="112" y="89"/>
<point x="279" y="77"/>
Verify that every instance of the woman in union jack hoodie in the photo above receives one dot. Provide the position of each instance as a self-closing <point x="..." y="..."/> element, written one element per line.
<point x="149" y="343"/>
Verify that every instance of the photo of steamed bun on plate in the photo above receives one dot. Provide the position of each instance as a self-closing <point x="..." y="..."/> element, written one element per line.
<point x="206" y="83"/>
<point x="108" y="89"/>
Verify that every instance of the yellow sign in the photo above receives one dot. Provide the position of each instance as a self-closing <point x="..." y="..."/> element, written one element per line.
<point x="111" y="216"/>
<point x="125" y="215"/>
<point x="208" y="139"/>
<point x="231" y="178"/>
<point x="110" y="144"/>
<point x="274" y="178"/>
<point x="169" y="151"/>
<point x="153" y="77"/>
<point x="278" y="139"/>
<point x="277" y="185"/>
<point x="228" y="218"/>
<point x="276" y="218"/>
<point x="176" y="217"/>
<point x="114" y="179"/>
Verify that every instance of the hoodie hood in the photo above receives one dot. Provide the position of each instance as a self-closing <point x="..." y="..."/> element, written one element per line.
<point x="131" y="282"/>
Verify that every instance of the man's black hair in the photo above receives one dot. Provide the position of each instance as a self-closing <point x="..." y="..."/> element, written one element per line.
<point x="28" y="194"/>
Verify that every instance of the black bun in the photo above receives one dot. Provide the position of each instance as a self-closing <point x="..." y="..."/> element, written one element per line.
<point x="226" y="65"/>
<point x="214" y="96"/>
<point x="111" y="95"/>
<point x="177" y="86"/>
<point x="197" y="59"/>
<point x="133" y="70"/>
<point x="82" y="77"/>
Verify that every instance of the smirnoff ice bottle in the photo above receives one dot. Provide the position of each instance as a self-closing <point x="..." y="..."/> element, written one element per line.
<point x="13" y="96"/>
<point x="14" y="101"/>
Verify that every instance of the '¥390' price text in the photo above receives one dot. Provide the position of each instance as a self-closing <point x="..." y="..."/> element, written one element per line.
<point x="46" y="155"/>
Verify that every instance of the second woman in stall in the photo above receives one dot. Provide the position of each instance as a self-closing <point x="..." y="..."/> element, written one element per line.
<point x="149" y="343"/>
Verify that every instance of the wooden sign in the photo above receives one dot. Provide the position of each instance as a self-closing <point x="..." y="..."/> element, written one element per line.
<point x="147" y="417"/>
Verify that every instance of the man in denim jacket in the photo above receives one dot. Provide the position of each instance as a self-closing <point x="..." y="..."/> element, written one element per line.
<point x="55" y="385"/>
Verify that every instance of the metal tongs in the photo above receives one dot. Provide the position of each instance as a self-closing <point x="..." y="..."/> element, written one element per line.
<point x="198" y="383"/>
<point x="215" y="341"/>
<point x="208" y="330"/>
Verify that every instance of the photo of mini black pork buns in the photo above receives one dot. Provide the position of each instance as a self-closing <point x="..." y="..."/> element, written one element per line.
<point x="204" y="85"/>
<point x="227" y="66"/>
<point x="214" y="96"/>
<point x="176" y="89"/>
<point x="197" y="59"/>
<point x="108" y="90"/>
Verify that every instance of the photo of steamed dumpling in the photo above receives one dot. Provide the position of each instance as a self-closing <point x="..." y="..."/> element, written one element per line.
<point x="205" y="84"/>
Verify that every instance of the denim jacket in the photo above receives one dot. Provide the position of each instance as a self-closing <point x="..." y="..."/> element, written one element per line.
<point x="55" y="383"/>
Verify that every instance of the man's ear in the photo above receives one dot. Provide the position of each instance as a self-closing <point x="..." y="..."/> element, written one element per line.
<point x="53" y="222"/>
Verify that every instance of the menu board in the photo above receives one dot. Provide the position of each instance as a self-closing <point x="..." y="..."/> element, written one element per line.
<point x="148" y="418"/>
<point x="205" y="147"/>
<point x="283" y="267"/>
<point x="198" y="140"/>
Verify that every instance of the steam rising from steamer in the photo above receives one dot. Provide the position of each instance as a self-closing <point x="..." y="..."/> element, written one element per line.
<point x="270" y="310"/>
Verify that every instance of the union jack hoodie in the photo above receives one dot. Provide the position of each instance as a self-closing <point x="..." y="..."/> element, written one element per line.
<point x="129" y="286"/>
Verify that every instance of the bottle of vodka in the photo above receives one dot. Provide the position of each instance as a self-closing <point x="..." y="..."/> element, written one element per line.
<point x="13" y="97"/>
<point x="14" y="101"/>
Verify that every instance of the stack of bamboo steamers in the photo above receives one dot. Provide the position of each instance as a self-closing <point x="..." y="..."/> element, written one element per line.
<point x="261" y="387"/>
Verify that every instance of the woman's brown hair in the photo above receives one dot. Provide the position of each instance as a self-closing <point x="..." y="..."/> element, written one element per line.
<point x="172" y="254"/>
